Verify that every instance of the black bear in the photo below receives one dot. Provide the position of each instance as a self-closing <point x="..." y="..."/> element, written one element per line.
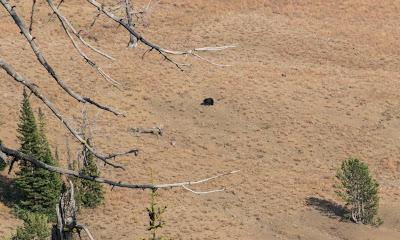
<point x="208" y="102"/>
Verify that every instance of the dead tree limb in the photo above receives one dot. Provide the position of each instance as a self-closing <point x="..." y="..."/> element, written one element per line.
<point x="66" y="210"/>
<point x="67" y="26"/>
<point x="98" y="14"/>
<point x="154" y="130"/>
<point x="3" y="157"/>
<point x="58" y="6"/>
<point x="67" y="216"/>
<point x="200" y="192"/>
<point x="166" y="53"/>
<point x="86" y="230"/>
<point x="163" y="51"/>
<point x="129" y="14"/>
<point x="34" y="89"/>
<point x="19" y="22"/>
<point x="146" y="9"/>
<point x="23" y="157"/>
<point x="140" y="38"/>
<point x="32" y="13"/>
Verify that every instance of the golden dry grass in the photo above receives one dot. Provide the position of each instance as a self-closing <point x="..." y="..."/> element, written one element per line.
<point x="311" y="83"/>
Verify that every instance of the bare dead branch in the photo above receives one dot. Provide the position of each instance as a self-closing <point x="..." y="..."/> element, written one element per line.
<point x="209" y="61"/>
<point x="76" y="40"/>
<point x="66" y="25"/>
<point x="70" y="164"/>
<point x="59" y="220"/>
<point x="117" y="6"/>
<point x="11" y="165"/>
<point x="32" y="13"/>
<point x="129" y="14"/>
<point x="140" y="14"/>
<point x="3" y="157"/>
<point x="95" y="19"/>
<point x="207" y="192"/>
<point x="34" y="89"/>
<point x="7" y="161"/>
<point x="58" y="6"/>
<point x="154" y="130"/>
<point x="21" y="156"/>
<point x="135" y="37"/>
<point x="114" y="155"/>
<point x="85" y="125"/>
<point x="66" y="215"/>
<point x="89" y="128"/>
<point x="114" y="8"/>
<point x="91" y="62"/>
<point x="84" y="228"/>
<point x="146" y="9"/>
<point x="18" y="21"/>
<point x="211" y="49"/>
<point x="163" y="51"/>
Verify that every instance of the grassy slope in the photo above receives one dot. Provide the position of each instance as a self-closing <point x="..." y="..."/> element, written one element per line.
<point x="310" y="84"/>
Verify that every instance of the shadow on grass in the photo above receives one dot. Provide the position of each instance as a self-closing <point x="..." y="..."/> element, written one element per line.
<point x="326" y="207"/>
<point x="8" y="194"/>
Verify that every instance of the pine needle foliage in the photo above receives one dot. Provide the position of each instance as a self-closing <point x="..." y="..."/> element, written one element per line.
<point x="39" y="189"/>
<point x="35" y="227"/>
<point x="360" y="192"/>
<point x="155" y="216"/>
<point x="90" y="193"/>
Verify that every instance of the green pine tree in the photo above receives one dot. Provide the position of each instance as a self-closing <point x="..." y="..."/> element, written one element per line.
<point x="360" y="192"/>
<point x="155" y="216"/>
<point x="35" y="227"/>
<point x="39" y="189"/>
<point x="90" y="193"/>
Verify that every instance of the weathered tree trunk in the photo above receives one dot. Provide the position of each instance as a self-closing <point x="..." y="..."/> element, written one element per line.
<point x="66" y="216"/>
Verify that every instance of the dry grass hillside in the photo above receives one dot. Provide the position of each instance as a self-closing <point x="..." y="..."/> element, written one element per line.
<point x="311" y="83"/>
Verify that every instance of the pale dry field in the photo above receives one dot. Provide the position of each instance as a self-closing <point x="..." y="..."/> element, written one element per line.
<point x="311" y="83"/>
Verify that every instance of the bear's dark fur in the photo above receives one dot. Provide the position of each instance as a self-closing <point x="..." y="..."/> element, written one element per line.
<point x="208" y="102"/>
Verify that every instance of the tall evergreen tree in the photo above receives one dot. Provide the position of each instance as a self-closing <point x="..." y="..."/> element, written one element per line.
<point x="28" y="130"/>
<point x="39" y="189"/>
<point x="91" y="193"/>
